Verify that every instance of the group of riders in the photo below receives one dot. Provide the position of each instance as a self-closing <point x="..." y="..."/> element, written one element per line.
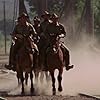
<point x="41" y="32"/>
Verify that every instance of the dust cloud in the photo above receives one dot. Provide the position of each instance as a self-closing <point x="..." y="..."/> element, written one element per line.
<point x="85" y="76"/>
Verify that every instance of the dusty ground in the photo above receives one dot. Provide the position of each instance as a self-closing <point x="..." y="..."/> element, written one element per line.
<point x="50" y="98"/>
<point x="10" y="90"/>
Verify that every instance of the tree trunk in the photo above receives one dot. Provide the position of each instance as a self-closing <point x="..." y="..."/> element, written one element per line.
<point x="89" y="19"/>
<point x="22" y="7"/>
<point x="41" y="6"/>
<point x="69" y="18"/>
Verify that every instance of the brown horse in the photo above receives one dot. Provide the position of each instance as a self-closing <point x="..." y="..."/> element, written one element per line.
<point x="40" y="72"/>
<point x="54" y="60"/>
<point x="24" y="62"/>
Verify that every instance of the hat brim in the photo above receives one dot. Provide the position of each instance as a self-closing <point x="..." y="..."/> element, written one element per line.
<point x="54" y="17"/>
<point x="45" y="15"/>
<point x="23" y="16"/>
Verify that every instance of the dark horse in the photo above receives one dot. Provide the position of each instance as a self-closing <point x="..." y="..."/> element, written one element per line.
<point x="40" y="71"/>
<point x="54" y="60"/>
<point x="24" y="62"/>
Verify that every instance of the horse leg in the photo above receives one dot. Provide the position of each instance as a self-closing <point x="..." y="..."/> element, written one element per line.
<point x="47" y="76"/>
<point x="18" y="77"/>
<point x="41" y="76"/>
<point x="36" y="75"/>
<point x="26" y="78"/>
<point x="59" y="80"/>
<point x="53" y="83"/>
<point x="22" y="81"/>
<point x="31" y="78"/>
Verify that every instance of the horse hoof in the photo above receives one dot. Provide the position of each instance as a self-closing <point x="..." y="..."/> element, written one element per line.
<point x="54" y="92"/>
<point x="32" y="90"/>
<point x="22" y="93"/>
<point x="60" y="89"/>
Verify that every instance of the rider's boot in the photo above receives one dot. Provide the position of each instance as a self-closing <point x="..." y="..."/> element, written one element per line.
<point x="11" y="65"/>
<point x="66" y="58"/>
<point x="67" y="63"/>
<point x="12" y="55"/>
<point x="10" y="59"/>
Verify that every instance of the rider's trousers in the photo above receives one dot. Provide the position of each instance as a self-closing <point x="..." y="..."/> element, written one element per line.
<point x="13" y="51"/>
<point x="66" y="54"/>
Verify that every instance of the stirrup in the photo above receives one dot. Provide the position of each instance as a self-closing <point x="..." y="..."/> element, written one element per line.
<point x="8" y="67"/>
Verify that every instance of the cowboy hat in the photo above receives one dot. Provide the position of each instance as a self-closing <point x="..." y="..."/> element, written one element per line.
<point x="46" y="13"/>
<point x="23" y="15"/>
<point x="54" y="16"/>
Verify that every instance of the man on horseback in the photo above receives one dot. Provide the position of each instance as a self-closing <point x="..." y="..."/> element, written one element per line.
<point x="55" y="28"/>
<point x="43" y="42"/>
<point x="23" y="28"/>
<point x="46" y="20"/>
<point x="43" y="25"/>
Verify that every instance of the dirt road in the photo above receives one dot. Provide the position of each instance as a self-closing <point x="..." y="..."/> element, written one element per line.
<point x="50" y="98"/>
<point x="10" y="90"/>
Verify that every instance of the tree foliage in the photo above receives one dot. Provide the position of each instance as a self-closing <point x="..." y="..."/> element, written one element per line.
<point x="61" y="8"/>
<point x="97" y="17"/>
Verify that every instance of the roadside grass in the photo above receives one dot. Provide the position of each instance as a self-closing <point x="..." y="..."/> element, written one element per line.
<point x="2" y="45"/>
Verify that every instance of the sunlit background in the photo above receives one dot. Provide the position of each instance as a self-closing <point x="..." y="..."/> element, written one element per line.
<point x="84" y="48"/>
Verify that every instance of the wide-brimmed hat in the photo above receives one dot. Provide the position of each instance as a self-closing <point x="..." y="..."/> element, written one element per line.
<point x="21" y="15"/>
<point x="46" y="13"/>
<point x="54" y="16"/>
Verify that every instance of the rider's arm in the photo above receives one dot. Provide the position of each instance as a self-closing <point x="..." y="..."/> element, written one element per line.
<point x="13" y="34"/>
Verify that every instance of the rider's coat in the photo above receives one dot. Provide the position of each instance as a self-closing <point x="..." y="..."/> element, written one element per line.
<point x="27" y="29"/>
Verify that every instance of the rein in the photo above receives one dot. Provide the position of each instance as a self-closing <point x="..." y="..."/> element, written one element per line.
<point x="55" y="44"/>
